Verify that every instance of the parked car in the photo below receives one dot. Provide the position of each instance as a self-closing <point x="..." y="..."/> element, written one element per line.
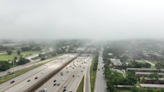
<point x="28" y="80"/>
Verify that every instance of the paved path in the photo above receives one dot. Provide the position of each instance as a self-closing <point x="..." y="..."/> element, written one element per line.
<point x="149" y="62"/>
<point x="100" y="84"/>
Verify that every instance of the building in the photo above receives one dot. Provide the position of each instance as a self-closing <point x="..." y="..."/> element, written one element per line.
<point x="144" y="70"/>
<point x="153" y="81"/>
<point x="155" y="86"/>
<point x="147" y="57"/>
<point x="139" y="74"/>
<point x="11" y="45"/>
<point x="116" y="62"/>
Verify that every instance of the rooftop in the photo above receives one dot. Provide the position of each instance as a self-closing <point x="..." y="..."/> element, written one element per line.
<point x="152" y="85"/>
<point x="148" y="73"/>
<point x="142" y="69"/>
<point x="116" y="61"/>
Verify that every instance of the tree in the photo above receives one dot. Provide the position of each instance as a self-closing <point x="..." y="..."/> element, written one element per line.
<point x="4" y="65"/>
<point x="18" y="52"/>
<point x="143" y="79"/>
<point x="9" y="52"/>
<point x="23" y="61"/>
<point x="110" y="85"/>
<point x="134" y="89"/>
<point x="159" y="65"/>
<point x="124" y="58"/>
<point x="154" y="76"/>
<point x="117" y="78"/>
<point x="150" y="90"/>
<point x="115" y="90"/>
<point x="143" y="90"/>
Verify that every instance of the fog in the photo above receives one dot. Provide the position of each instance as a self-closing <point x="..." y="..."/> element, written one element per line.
<point x="93" y="19"/>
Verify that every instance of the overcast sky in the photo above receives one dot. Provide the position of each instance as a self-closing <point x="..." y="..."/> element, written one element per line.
<point x="98" y="19"/>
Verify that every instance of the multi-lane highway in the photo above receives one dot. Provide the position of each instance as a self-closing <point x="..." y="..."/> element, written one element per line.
<point x="69" y="77"/>
<point x="21" y="82"/>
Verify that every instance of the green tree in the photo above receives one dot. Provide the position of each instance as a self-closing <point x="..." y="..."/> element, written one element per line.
<point x="115" y="90"/>
<point x="159" y="65"/>
<point x="150" y="90"/>
<point x="110" y="85"/>
<point x="4" y="65"/>
<point x="142" y="89"/>
<point x="18" y="52"/>
<point x="134" y="89"/>
<point x="9" y="52"/>
<point x="154" y="76"/>
<point x="117" y="78"/>
<point x="143" y="79"/>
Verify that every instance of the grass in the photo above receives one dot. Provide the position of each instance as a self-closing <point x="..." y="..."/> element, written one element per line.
<point x="153" y="67"/>
<point x="154" y="62"/>
<point x="138" y="83"/>
<point x="123" y="89"/>
<point x="20" y="72"/>
<point x="80" y="88"/>
<point x="92" y="80"/>
<point x="11" y="57"/>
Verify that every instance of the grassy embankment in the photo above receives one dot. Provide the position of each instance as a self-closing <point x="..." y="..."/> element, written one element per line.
<point x="81" y="86"/>
<point x="92" y="77"/>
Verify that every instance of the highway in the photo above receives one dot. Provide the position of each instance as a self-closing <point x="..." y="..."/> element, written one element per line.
<point x="20" y="67"/>
<point x="67" y="78"/>
<point x="37" y="72"/>
<point x="100" y="84"/>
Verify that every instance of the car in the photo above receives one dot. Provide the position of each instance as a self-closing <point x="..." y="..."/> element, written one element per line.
<point x="66" y="67"/>
<point x="64" y="90"/>
<point x="67" y="71"/>
<point x="72" y="68"/>
<point x="58" y="84"/>
<point x="73" y="76"/>
<point x="55" y="84"/>
<point x="45" y="89"/>
<point x="36" y="77"/>
<point x="70" y="90"/>
<point x="81" y="71"/>
<point x="102" y="68"/>
<point x="83" y="67"/>
<point x="28" y="80"/>
<point x="79" y="75"/>
<point x="65" y="86"/>
<point x="61" y="74"/>
<point x="54" y="80"/>
<point x="12" y="82"/>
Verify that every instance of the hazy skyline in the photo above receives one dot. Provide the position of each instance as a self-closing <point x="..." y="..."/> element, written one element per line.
<point x="97" y="19"/>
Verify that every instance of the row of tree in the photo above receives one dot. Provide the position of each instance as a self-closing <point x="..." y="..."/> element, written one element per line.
<point x="4" y="65"/>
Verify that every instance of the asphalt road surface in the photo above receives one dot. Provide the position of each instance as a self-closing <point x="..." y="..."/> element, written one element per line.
<point x="21" y="81"/>
<point x="100" y="84"/>
<point x="67" y="78"/>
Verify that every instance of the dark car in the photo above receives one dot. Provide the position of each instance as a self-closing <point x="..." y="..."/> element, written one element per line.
<point x="58" y="84"/>
<point x="67" y="71"/>
<point x="73" y="76"/>
<point x="54" y="80"/>
<point x="28" y="81"/>
<point x="12" y="82"/>
<point x="65" y="87"/>
<point x="64" y="90"/>
<point x="81" y="71"/>
<point x="54" y="84"/>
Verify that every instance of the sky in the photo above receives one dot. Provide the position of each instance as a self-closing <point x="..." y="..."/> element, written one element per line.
<point x="82" y="19"/>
